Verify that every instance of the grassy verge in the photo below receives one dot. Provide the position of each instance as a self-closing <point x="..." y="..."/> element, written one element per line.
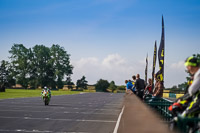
<point x="19" y="93"/>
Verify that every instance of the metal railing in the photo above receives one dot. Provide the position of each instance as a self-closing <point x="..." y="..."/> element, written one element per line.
<point x="160" y="105"/>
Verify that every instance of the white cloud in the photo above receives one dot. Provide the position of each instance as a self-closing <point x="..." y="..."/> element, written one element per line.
<point x="175" y="73"/>
<point x="86" y="61"/>
<point x="178" y="65"/>
<point x="114" y="60"/>
<point x="113" y="67"/>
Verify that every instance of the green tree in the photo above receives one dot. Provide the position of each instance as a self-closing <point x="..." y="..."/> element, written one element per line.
<point x="112" y="86"/>
<point x="61" y="64"/>
<point x="69" y="83"/>
<point x="183" y="86"/>
<point x="121" y="88"/>
<point x="40" y="66"/>
<point x="102" y="85"/>
<point x="43" y="66"/>
<point x="3" y="75"/>
<point x="20" y="63"/>
<point x="11" y="81"/>
<point x="82" y="83"/>
<point x="6" y="77"/>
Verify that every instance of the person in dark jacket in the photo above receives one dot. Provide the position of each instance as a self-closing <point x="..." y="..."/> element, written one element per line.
<point x="140" y="86"/>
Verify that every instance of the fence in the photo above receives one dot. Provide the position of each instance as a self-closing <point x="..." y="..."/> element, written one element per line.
<point x="161" y="105"/>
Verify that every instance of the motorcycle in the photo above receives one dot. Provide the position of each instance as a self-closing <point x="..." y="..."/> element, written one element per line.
<point x="176" y="110"/>
<point x="46" y="97"/>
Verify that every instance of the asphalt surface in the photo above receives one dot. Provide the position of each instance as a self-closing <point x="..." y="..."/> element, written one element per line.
<point x="81" y="113"/>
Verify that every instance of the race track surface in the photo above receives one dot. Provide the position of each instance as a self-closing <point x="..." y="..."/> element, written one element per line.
<point x="81" y="113"/>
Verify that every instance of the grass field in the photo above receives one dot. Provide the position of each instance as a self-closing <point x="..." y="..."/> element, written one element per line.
<point x="20" y="93"/>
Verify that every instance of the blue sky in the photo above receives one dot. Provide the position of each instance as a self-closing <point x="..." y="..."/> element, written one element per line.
<point x="106" y="38"/>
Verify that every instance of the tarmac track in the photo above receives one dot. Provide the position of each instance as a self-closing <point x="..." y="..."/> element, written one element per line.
<point x="81" y="113"/>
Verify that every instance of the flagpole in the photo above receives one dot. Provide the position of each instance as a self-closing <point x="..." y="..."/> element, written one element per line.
<point x="146" y="69"/>
<point x="163" y="41"/>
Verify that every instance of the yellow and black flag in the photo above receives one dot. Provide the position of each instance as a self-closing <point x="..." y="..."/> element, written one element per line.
<point x="154" y="63"/>
<point x="161" y="53"/>
<point x="146" y="69"/>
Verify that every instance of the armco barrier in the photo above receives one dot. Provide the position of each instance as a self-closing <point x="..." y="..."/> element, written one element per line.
<point x="161" y="105"/>
<point x="185" y="123"/>
<point x="171" y="95"/>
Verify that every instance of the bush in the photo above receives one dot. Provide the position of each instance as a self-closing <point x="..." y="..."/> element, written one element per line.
<point x="102" y="85"/>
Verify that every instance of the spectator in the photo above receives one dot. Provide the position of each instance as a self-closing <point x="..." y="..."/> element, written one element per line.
<point x="148" y="88"/>
<point x="134" y="80"/>
<point x="129" y="87"/>
<point x="140" y="86"/>
<point x="158" y="91"/>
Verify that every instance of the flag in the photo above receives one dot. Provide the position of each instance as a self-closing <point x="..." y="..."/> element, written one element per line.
<point x="161" y="53"/>
<point x="154" y="63"/>
<point x="146" y="69"/>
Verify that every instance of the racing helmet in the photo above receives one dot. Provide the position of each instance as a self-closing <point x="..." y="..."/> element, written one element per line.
<point x="192" y="61"/>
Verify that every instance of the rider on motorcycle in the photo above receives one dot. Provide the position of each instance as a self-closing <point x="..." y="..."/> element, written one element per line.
<point x="47" y="89"/>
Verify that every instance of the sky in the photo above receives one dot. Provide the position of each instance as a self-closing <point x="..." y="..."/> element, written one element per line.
<point x="107" y="39"/>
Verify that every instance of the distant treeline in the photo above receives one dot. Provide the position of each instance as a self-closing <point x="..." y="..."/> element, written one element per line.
<point x="45" y="66"/>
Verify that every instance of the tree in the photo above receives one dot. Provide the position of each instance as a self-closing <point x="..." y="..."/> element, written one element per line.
<point x="61" y="61"/>
<point x="3" y="76"/>
<point x="174" y="87"/>
<point x="61" y="64"/>
<point x="121" y="88"/>
<point x="40" y="66"/>
<point x="183" y="86"/>
<point x="6" y="79"/>
<point x="112" y="86"/>
<point x="69" y="83"/>
<point x="82" y="83"/>
<point x="20" y="63"/>
<point x="102" y="85"/>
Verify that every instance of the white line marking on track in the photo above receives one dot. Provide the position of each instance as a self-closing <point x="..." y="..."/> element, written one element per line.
<point x="79" y="120"/>
<point x="34" y="131"/>
<point x="65" y="112"/>
<point x="118" y="121"/>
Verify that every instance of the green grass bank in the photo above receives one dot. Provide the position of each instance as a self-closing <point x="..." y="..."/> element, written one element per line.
<point x="21" y="93"/>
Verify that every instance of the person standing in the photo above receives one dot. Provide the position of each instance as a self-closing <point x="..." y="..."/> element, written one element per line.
<point x="133" y="82"/>
<point x="140" y="86"/>
<point x="129" y="86"/>
<point x="158" y="90"/>
<point x="148" y="89"/>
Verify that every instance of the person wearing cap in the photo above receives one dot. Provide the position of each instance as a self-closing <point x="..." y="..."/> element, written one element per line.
<point x="193" y="66"/>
